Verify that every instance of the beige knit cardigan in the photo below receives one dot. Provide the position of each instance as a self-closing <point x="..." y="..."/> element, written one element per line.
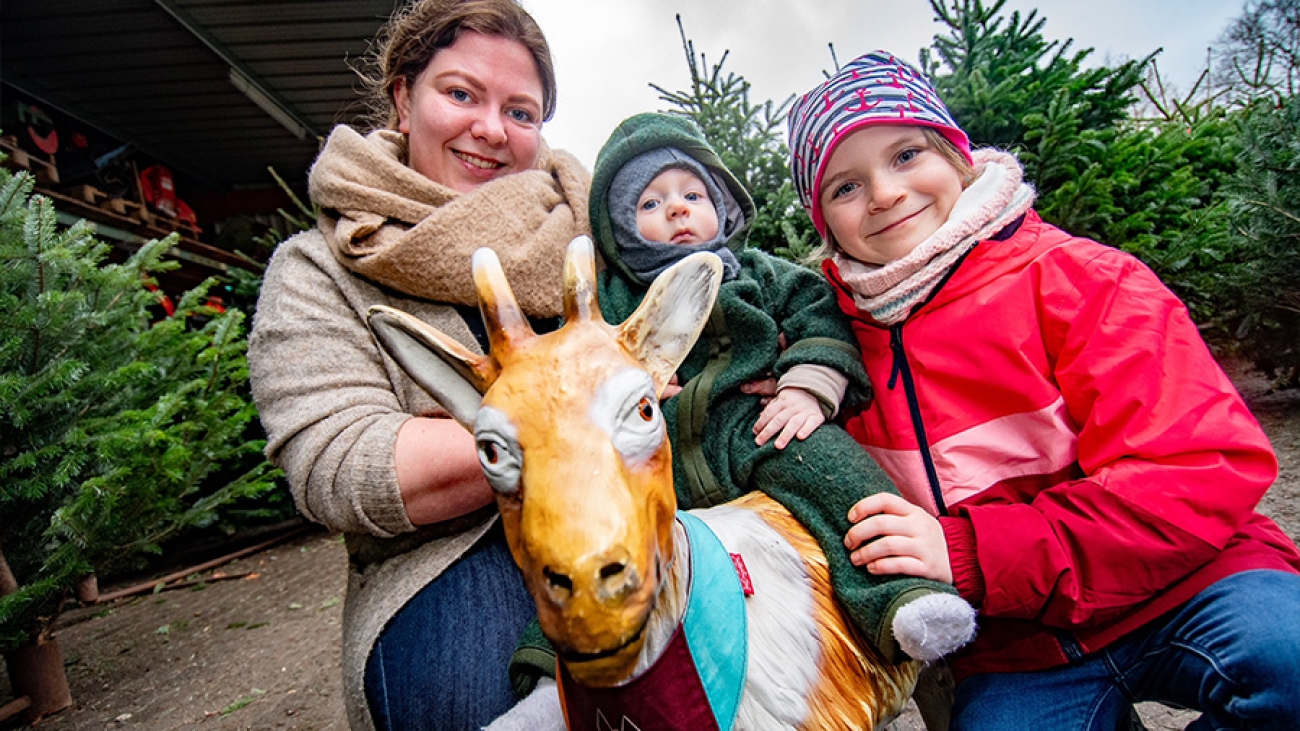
<point x="331" y="402"/>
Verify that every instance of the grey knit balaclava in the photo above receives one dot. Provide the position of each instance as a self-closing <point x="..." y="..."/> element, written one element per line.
<point x="648" y="259"/>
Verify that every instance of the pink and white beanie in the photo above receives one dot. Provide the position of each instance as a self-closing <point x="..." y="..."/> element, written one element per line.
<point x="877" y="88"/>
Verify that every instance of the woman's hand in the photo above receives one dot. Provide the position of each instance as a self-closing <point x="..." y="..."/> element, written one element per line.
<point x="765" y="387"/>
<point x="793" y="413"/>
<point x="893" y="536"/>
<point x="673" y="388"/>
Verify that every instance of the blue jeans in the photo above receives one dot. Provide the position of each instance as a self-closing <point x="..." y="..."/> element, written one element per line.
<point x="1232" y="653"/>
<point x="441" y="663"/>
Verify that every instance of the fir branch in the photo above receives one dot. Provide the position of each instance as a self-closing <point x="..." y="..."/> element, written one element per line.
<point x="1271" y="207"/>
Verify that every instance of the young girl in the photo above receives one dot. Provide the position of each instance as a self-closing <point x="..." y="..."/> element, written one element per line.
<point x="1073" y="458"/>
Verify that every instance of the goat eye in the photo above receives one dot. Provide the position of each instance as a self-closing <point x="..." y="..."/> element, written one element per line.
<point x="498" y="450"/>
<point x="625" y="408"/>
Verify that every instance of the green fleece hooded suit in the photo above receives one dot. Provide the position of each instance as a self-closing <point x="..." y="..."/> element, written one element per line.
<point x="710" y="423"/>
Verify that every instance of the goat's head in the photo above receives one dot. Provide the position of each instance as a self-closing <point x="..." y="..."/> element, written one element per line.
<point x="572" y="440"/>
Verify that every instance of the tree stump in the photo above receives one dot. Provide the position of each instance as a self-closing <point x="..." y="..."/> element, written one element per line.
<point x="88" y="589"/>
<point x="36" y="672"/>
<point x="35" y="669"/>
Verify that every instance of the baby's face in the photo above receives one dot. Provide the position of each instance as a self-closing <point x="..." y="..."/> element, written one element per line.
<point x="675" y="208"/>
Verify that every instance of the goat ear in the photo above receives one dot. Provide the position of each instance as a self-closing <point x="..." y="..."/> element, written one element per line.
<point x="662" y="331"/>
<point x="451" y="373"/>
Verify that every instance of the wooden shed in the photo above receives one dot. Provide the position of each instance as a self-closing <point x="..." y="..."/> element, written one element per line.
<point x="152" y="116"/>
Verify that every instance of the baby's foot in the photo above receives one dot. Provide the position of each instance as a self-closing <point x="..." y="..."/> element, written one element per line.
<point x="538" y="711"/>
<point x="934" y="625"/>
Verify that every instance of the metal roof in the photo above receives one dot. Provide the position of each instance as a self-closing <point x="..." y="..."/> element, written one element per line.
<point x="218" y="90"/>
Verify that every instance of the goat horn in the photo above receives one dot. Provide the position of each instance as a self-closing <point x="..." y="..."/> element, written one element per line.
<point x="504" y="320"/>
<point x="580" y="301"/>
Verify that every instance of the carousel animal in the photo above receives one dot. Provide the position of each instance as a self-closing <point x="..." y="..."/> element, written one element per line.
<point x="571" y="438"/>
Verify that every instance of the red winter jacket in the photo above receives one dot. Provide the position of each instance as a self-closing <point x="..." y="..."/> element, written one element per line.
<point x="1091" y="465"/>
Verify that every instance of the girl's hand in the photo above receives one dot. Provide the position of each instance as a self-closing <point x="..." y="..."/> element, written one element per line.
<point x="793" y="413"/>
<point x="893" y="536"/>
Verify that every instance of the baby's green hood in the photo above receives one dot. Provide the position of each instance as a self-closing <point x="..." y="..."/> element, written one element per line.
<point x="642" y="133"/>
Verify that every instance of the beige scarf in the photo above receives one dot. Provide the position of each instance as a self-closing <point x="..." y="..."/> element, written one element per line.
<point x="998" y="196"/>
<point x="390" y="224"/>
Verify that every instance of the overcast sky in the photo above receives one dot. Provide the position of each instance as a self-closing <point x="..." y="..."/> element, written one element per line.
<point x="607" y="52"/>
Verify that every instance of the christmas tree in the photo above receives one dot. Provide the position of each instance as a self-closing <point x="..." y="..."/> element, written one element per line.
<point x="119" y="427"/>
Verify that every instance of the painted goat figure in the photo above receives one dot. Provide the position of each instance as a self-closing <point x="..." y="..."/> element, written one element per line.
<point x="572" y="440"/>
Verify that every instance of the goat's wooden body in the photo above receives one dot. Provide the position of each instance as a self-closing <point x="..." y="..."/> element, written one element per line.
<point x="571" y="439"/>
<point x="850" y="686"/>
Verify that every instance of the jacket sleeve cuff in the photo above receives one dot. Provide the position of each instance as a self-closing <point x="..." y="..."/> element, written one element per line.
<point x="826" y="384"/>
<point x="377" y="500"/>
<point x="966" y="574"/>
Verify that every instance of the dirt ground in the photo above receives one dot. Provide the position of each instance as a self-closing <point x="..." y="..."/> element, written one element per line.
<point x="262" y="652"/>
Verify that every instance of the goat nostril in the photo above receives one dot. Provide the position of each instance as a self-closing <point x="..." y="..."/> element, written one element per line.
<point x="617" y="580"/>
<point x="557" y="580"/>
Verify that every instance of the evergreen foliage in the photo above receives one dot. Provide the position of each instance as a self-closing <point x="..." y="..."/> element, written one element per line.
<point x="244" y="286"/>
<point x="750" y="140"/>
<point x="1201" y="191"/>
<point x="1011" y="88"/>
<point x="1148" y="186"/>
<point x="116" y="429"/>
<point x="1264" y="197"/>
<point x="1001" y="69"/>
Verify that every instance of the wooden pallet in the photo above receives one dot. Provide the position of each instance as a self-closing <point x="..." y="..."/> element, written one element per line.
<point x="88" y="193"/>
<point x="115" y="205"/>
<point x="140" y="212"/>
<point x="131" y="209"/>
<point x="188" y="229"/>
<point x="121" y="206"/>
<point x="130" y="212"/>
<point x="45" y="171"/>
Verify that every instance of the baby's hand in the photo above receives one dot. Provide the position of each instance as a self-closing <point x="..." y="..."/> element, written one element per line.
<point x="792" y="413"/>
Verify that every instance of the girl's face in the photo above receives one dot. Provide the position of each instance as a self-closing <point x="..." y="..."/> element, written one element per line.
<point x="884" y="191"/>
<point x="474" y="114"/>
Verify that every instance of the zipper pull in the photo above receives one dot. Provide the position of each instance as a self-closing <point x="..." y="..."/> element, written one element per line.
<point x="896" y="347"/>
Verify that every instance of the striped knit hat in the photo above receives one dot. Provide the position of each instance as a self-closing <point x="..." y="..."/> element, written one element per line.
<point x="873" y="89"/>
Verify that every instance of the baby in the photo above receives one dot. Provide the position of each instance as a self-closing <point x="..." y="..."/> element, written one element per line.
<point x="660" y="193"/>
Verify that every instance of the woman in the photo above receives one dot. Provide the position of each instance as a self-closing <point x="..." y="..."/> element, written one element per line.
<point x="435" y="605"/>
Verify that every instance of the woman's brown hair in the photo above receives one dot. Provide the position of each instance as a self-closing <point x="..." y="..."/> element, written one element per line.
<point x="409" y="40"/>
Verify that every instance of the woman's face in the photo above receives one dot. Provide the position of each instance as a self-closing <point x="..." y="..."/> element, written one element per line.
<point x="885" y="190"/>
<point x="474" y="114"/>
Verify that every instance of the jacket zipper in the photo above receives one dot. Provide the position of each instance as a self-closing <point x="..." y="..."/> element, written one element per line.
<point x="901" y="368"/>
